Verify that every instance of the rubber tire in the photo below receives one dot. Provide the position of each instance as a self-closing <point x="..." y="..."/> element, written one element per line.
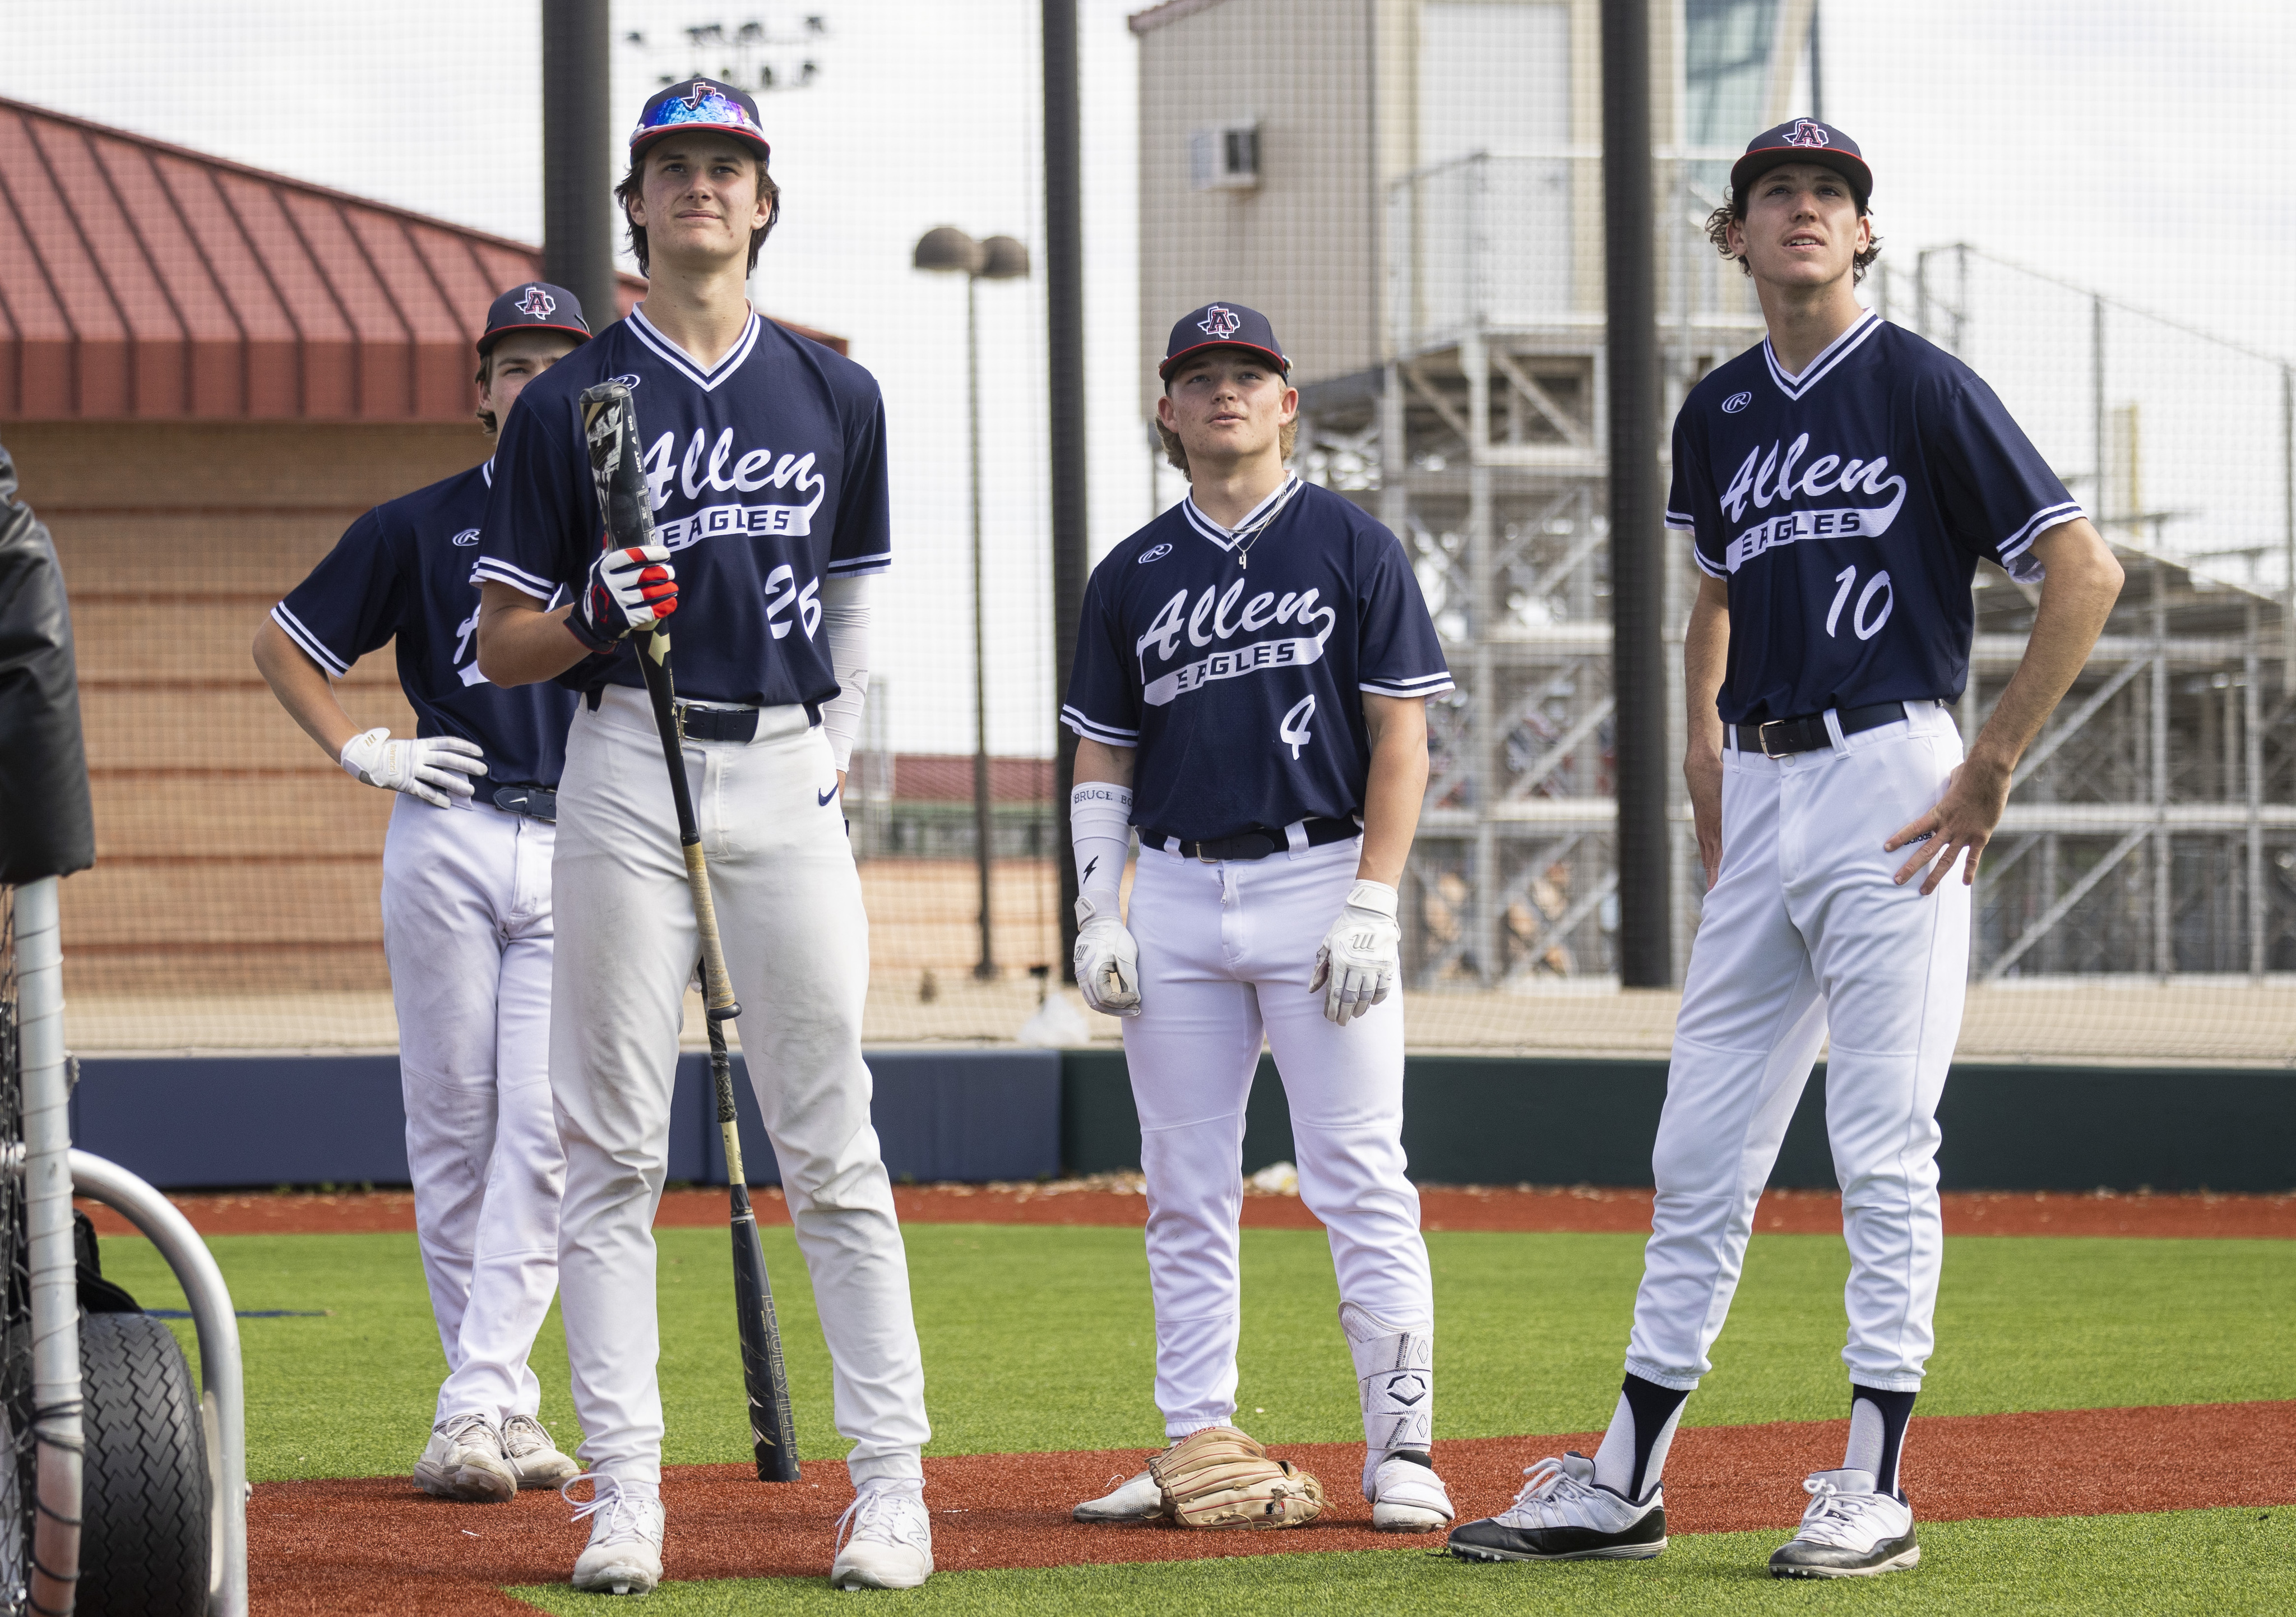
<point x="144" y="1536"/>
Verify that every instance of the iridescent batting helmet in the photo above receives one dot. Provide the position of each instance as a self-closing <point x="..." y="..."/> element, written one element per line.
<point x="701" y="103"/>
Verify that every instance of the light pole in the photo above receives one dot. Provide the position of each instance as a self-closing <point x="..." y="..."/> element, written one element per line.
<point x="948" y="251"/>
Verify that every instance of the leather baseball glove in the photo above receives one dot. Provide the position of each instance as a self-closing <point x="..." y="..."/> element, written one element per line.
<point x="1220" y="1477"/>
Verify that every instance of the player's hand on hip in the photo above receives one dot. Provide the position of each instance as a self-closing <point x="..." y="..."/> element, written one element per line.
<point x="1107" y="963"/>
<point x="1964" y="821"/>
<point x="1701" y="772"/>
<point x="435" y="768"/>
<point x="1361" y="955"/>
<point x="634" y="588"/>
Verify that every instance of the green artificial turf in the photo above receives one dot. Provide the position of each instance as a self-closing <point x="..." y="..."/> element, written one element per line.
<point x="1039" y="1338"/>
<point x="2212" y="1561"/>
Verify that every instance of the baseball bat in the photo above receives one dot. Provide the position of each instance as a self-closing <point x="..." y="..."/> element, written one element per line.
<point x="609" y="426"/>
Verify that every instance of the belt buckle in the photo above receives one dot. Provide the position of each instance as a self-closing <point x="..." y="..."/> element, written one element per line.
<point x="679" y="710"/>
<point x="1762" y="737"/>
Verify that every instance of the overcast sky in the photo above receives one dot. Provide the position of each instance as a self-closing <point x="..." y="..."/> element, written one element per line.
<point x="2142" y="149"/>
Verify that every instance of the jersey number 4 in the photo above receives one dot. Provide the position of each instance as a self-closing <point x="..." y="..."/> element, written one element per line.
<point x="1878" y="585"/>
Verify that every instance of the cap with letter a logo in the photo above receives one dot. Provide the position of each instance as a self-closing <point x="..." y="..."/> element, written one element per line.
<point x="1803" y="140"/>
<point x="533" y="305"/>
<point x="1218" y="326"/>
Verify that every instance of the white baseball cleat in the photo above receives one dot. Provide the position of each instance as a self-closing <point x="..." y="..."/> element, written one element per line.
<point x="1138" y="1500"/>
<point x="526" y="1445"/>
<point x="465" y="1460"/>
<point x="890" y="1546"/>
<point x="1848" y="1531"/>
<point x="1563" y="1515"/>
<point x="624" y="1554"/>
<point x="1406" y="1497"/>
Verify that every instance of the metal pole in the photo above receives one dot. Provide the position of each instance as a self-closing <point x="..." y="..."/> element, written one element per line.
<point x="56" y="1411"/>
<point x="1816" y="68"/>
<point x="2288" y="528"/>
<point x="2164" y="957"/>
<point x="1637" y="579"/>
<point x="2252" y="738"/>
<point x="1064" y="343"/>
<point x="984" y="820"/>
<point x="1486" y="701"/>
<point x="2103" y="511"/>
<point x="578" y="176"/>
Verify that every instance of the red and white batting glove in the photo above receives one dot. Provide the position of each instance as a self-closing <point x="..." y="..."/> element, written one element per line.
<point x="434" y="768"/>
<point x="631" y="588"/>
<point x="1361" y="955"/>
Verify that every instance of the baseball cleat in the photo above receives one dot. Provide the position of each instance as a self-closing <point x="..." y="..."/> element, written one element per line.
<point x="1563" y="1515"/>
<point x="1406" y="1496"/>
<point x="1848" y="1531"/>
<point x="1141" y="1499"/>
<point x="526" y="1445"/>
<point x="465" y="1460"/>
<point x="890" y="1547"/>
<point x="624" y="1554"/>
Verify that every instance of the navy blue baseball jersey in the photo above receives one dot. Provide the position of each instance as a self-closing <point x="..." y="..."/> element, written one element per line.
<point x="1232" y="659"/>
<point x="766" y="474"/>
<point x="1848" y="507"/>
<point x="404" y="569"/>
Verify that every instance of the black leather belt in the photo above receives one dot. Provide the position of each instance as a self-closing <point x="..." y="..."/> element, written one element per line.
<point x="717" y="724"/>
<point x="1780" y="737"/>
<point x="535" y="802"/>
<point x="1257" y="843"/>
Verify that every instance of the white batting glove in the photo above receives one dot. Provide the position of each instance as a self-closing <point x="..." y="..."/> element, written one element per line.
<point x="1107" y="963"/>
<point x="434" y="768"/>
<point x="1360" y="955"/>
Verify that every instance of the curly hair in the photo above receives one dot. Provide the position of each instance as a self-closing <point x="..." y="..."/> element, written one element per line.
<point x="1734" y="212"/>
<point x="634" y="183"/>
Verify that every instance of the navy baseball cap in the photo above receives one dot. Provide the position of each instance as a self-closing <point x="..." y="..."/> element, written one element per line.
<point x="536" y="306"/>
<point x="1221" y="325"/>
<point x="701" y="103"/>
<point x="1803" y="140"/>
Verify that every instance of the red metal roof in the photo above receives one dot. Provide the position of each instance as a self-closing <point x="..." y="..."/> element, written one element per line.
<point x="141" y="281"/>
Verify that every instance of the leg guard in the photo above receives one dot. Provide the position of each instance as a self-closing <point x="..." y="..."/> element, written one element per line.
<point x="1395" y="1370"/>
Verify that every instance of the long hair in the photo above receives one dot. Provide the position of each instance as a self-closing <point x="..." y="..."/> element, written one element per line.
<point x="1718" y="230"/>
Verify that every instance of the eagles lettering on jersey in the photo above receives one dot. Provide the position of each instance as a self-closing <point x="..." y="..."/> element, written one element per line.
<point x="1848" y="507"/>
<point x="1232" y="659"/>
<point x="404" y="569"/>
<point x="766" y="473"/>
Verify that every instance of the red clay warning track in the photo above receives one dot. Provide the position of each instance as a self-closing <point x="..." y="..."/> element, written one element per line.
<point x="373" y="1545"/>
<point x="1511" y="1208"/>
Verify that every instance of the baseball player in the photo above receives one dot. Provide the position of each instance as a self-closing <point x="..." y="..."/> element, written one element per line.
<point x="1840" y="483"/>
<point x="466" y="915"/>
<point x="766" y="461"/>
<point x="1250" y="684"/>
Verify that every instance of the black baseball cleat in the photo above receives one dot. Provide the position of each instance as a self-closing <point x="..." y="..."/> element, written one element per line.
<point x="1563" y="1515"/>
<point x="1848" y="1531"/>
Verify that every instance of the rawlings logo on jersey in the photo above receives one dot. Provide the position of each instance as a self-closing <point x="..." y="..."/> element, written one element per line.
<point x="469" y="536"/>
<point x="708" y="468"/>
<point x="1153" y="554"/>
<point x="536" y="304"/>
<point x="1764" y="480"/>
<point x="1735" y="403"/>
<point x="1219" y="322"/>
<point x="1216" y="617"/>
<point x="628" y="380"/>
<point x="1808" y="133"/>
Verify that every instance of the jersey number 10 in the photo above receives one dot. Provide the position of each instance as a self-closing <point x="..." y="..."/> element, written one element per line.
<point x="1878" y="585"/>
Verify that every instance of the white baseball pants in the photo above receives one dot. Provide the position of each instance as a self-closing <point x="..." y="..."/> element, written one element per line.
<point x="1805" y="931"/>
<point x="797" y="945"/>
<point x="466" y="926"/>
<point x="1227" y="951"/>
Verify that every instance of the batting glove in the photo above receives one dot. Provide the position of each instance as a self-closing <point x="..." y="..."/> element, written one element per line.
<point x="435" y="768"/>
<point x="1107" y="963"/>
<point x="1360" y="955"/>
<point x="630" y="588"/>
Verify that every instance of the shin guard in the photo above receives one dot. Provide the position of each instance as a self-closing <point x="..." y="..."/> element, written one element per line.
<point x="1395" y="1371"/>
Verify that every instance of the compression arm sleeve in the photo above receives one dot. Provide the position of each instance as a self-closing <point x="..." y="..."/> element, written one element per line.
<point x="1100" y="825"/>
<point x="845" y="621"/>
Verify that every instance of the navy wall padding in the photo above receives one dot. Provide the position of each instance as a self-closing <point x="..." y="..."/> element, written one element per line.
<point x="181" y="1122"/>
<point x="184" y="1122"/>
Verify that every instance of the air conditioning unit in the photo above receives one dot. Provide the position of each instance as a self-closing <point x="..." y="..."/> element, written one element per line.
<point x="1225" y="157"/>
